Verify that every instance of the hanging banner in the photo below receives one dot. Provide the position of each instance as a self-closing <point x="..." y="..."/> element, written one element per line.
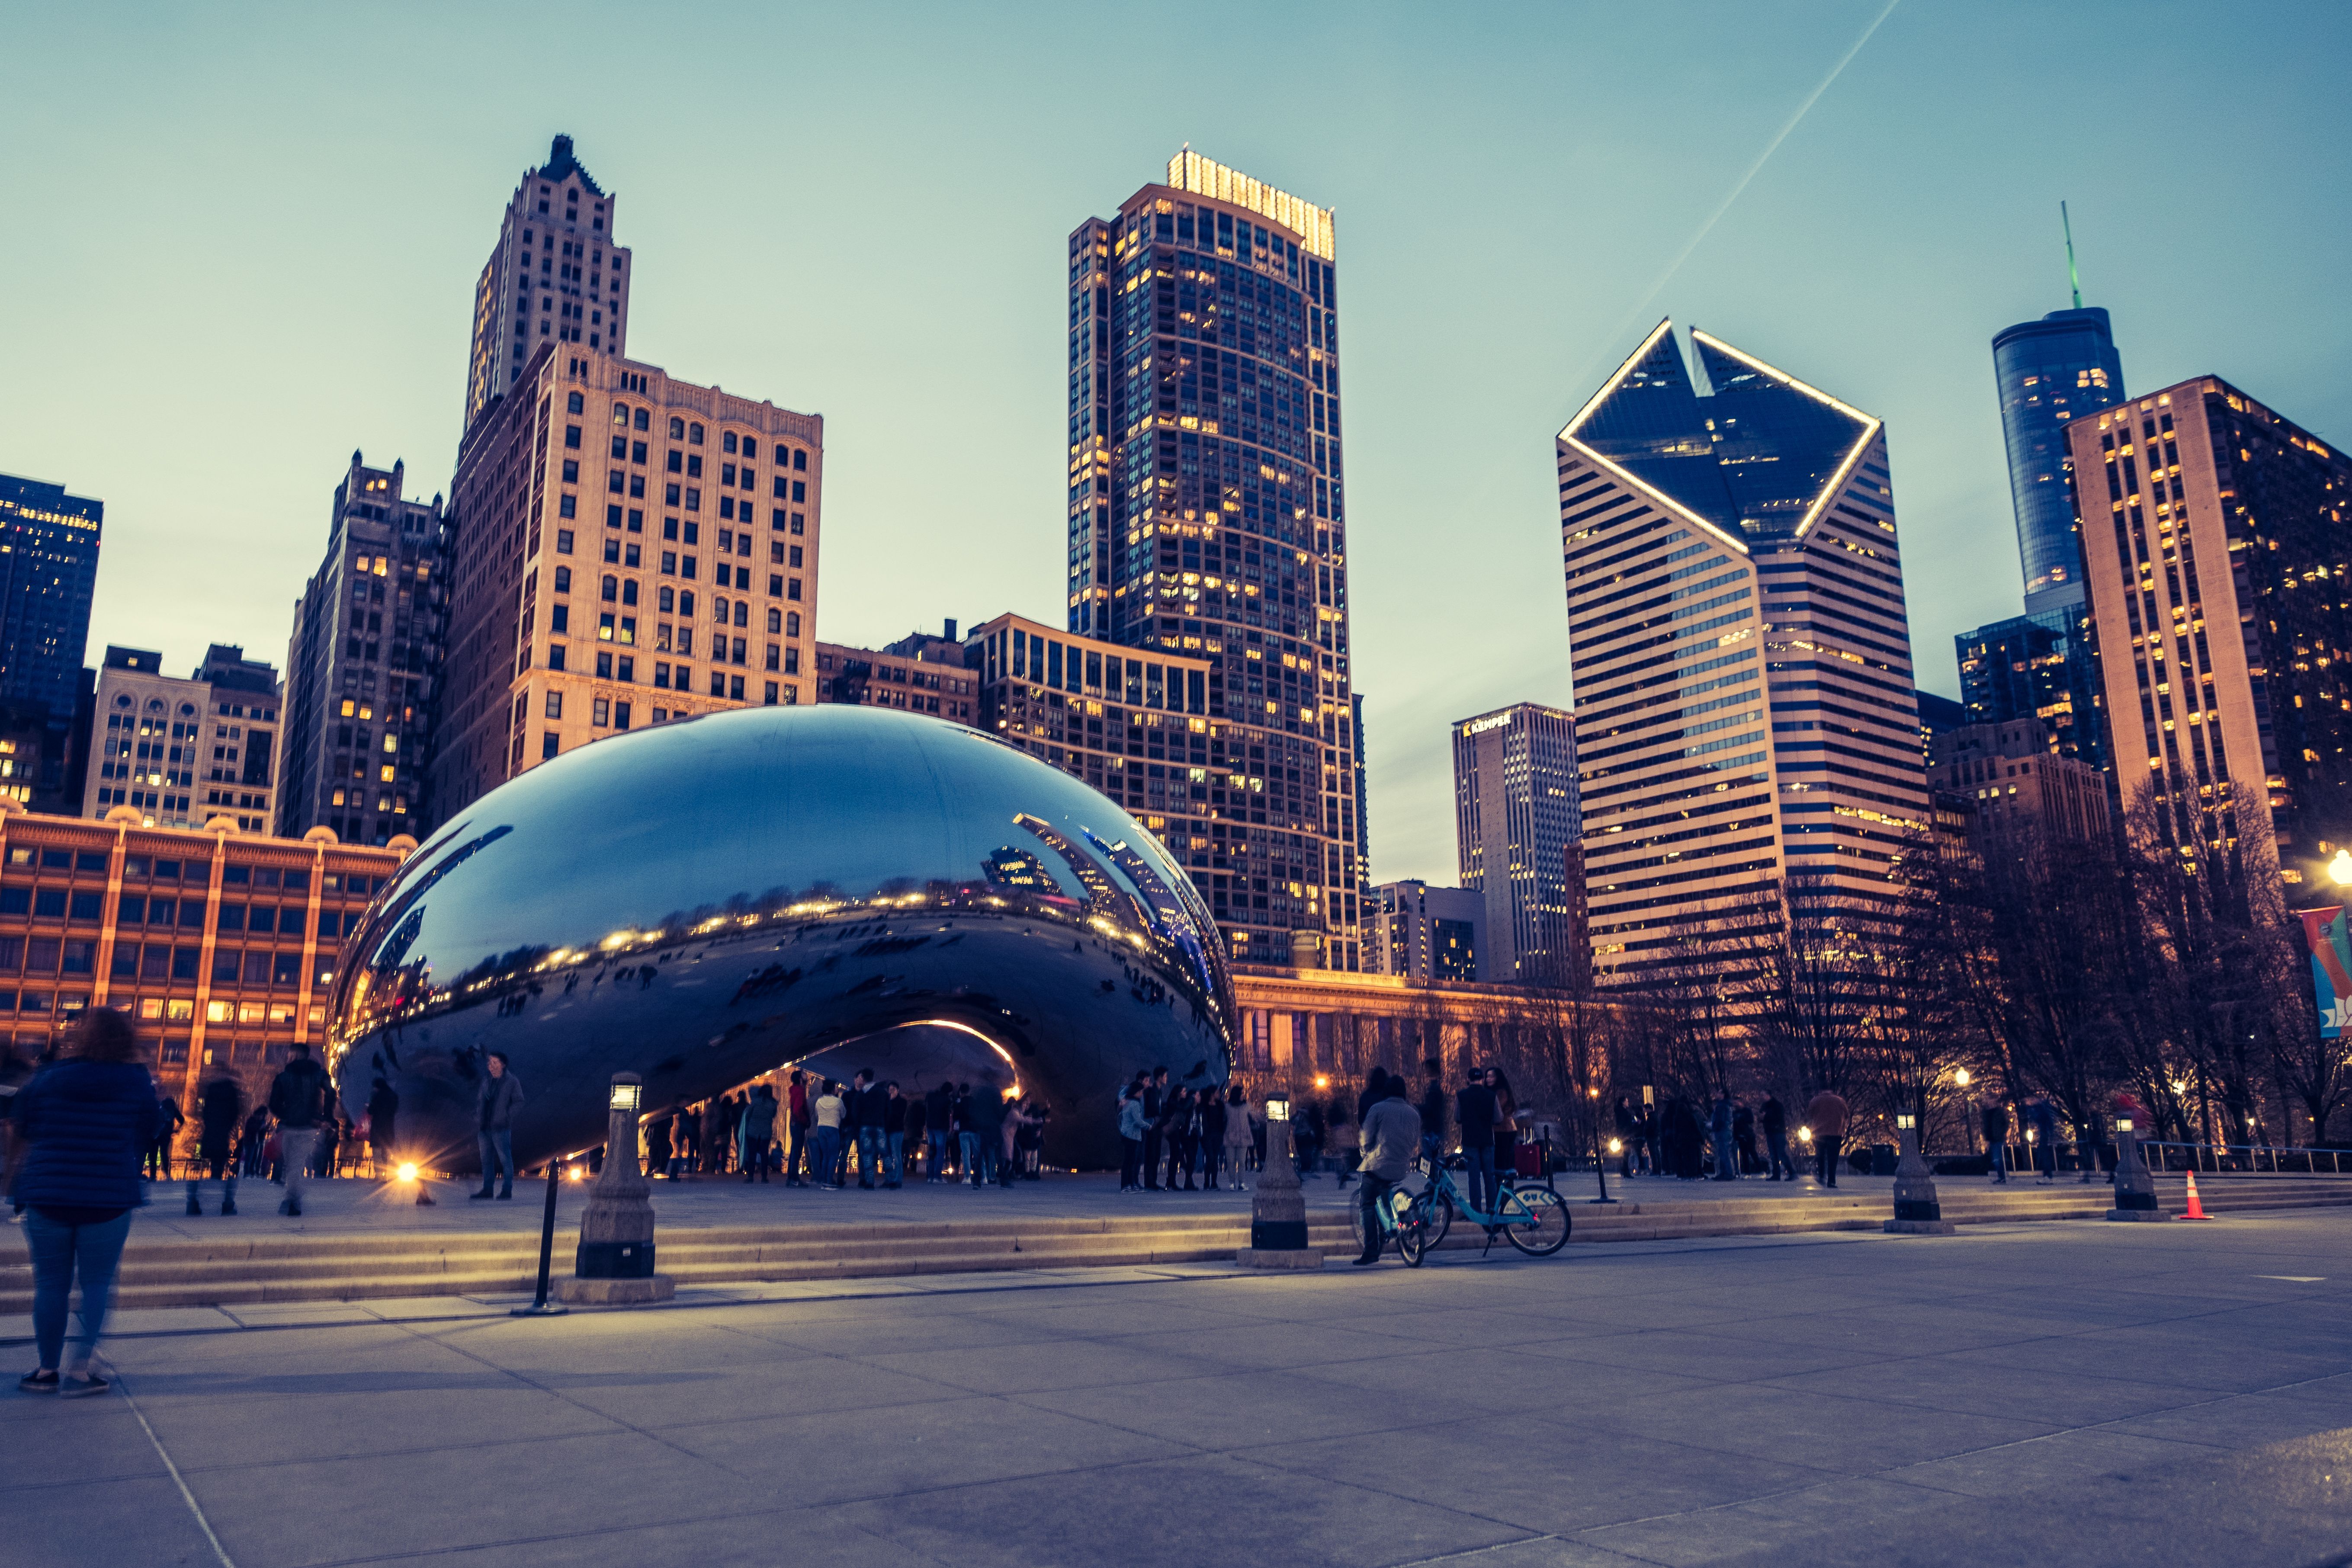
<point x="2331" y="968"/>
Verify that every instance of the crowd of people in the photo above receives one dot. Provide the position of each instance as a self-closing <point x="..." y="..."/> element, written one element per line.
<point x="824" y="1132"/>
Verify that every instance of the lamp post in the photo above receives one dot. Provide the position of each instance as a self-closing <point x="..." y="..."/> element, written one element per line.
<point x="614" y="1265"/>
<point x="2135" y="1186"/>
<point x="1960" y="1077"/>
<point x="1277" y="1209"/>
<point x="1917" y="1213"/>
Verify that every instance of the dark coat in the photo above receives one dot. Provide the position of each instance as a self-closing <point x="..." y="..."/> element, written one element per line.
<point x="500" y="1097"/>
<point x="89" y="1125"/>
<point x="298" y="1094"/>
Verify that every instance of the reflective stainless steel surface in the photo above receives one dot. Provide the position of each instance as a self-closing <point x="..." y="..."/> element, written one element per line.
<point x="703" y="902"/>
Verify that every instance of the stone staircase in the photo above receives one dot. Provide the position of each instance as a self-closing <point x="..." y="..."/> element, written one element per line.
<point x="358" y="1263"/>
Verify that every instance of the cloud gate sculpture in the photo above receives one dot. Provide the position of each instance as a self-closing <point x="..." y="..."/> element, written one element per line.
<point x="830" y="886"/>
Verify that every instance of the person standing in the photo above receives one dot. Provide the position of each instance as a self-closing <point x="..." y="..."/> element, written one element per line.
<point x="1392" y="1136"/>
<point x="1826" y="1116"/>
<point x="1720" y="1125"/>
<point x="658" y="1146"/>
<point x="1652" y="1140"/>
<point x="1995" y="1117"/>
<point x="918" y="1121"/>
<point x="967" y="1136"/>
<point x="299" y="1097"/>
<point x="383" y="1128"/>
<point x="500" y="1096"/>
<point x="863" y="1104"/>
<point x="87" y="1120"/>
<point x="1018" y="1119"/>
<point x="984" y="1114"/>
<point x="825" y="1120"/>
<point x="1743" y="1137"/>
<point x="330" y="1138"/>
<point x="894" y="1136"/>
<point x="1241" y="1139"/>
<point x="1506" y="1123"/>
<point x="685" y="1133"/>
<point x="1432" y="1111"/>
<point x="938" y="1109"/>
<point x="1131" y="1137"/>
<point x="1628" y="1138"/>
<point x="159" y="1154"/>
<point x="757" y="1135"/>
<point x="1212" y="1135"/>
<point x="1155" y="1108"/>
<point x="1308" y="1131"/>
<point x="220" y="1104"/>
<point x="722" y="1121"/>
<point x="1175" y="1115"/>
<point x="1776" y="1138"/>
<point x="2042" y="1117"/>
<point x="796" y="1122"/>
<point x="1474" y="1113"/>
<point x="251" y="1139"/>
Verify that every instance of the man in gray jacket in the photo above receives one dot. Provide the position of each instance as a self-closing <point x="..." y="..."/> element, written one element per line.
<point x="1392" y="1137"/>
<point x="501" y="1095"/>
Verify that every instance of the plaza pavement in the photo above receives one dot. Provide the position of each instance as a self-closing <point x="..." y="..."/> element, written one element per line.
<point x="2068" y="1391"/>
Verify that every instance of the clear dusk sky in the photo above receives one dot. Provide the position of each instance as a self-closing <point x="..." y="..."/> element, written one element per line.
<point x="241" y="241"/>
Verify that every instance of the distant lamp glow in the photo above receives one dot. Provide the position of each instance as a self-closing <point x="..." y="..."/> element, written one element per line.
<point x="1616" y="1145"/>
<point x="625" y="1096"/>
<point x="407" y="1170"/>
<point x="2180" y="1086"/>
<point x="1804" y="1134"/>
<point x="1322" y="1080"/>
<point x="1961" y="1078"/>
<point x="574" y="1173"/>
<point x="2340" y="869"/>
<point x="1277" y="1109"/>
<point x="2123" y="1123"/>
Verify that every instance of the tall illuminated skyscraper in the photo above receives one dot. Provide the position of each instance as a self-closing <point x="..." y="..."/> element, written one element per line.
<point x="1208" y="518"/>
<point x="1515" y="816"/>
<point x="1745" y="716"/>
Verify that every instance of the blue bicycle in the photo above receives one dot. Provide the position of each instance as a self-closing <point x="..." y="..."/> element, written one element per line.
<point x="1532" y="1218"/>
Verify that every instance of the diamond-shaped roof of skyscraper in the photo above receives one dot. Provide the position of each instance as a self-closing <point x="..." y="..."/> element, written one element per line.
<point x="1754" y="453"/>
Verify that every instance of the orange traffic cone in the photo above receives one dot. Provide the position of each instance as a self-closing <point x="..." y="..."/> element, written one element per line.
<point x="2196" y="1209"/>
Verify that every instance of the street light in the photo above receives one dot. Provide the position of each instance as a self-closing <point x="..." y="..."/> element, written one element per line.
<point x="2340" y="869"/>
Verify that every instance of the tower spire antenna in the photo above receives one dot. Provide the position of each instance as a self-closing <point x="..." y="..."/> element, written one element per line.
<point x="2074" y="278"/>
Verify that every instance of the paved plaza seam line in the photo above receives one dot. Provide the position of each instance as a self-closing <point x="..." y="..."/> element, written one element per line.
<point x="186" y="1496"/>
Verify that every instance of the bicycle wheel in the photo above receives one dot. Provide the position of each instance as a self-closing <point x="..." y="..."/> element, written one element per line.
<point x="1437" y="1216"/>
<point x="1548" y="1232"/>
<point x="1412" y="1233"/>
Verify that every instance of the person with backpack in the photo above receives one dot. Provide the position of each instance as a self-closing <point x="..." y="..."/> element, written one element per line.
<point x="299" y="1097"/>
<point x="159" y="1154"/>
<point x="88" y="1119"/>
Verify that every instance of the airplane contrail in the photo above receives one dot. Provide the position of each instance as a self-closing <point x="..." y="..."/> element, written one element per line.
<point x="1634" y="316"/>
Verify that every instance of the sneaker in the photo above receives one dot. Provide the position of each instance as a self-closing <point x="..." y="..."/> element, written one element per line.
<point x="506" y="1193"/>
<point x="229" y="1205"/>
<point x="42" y="1380"/>
<point x="477" y="1196"/>
<point x="196" y="1209"/>
<point x="81" y="1387"/>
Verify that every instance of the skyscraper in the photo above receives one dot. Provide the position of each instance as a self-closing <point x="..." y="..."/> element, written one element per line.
<point x="1515" y="814"/>
<point x="1743" y="704"/>
<point x="2051" y="372"/>
<point x="625" y="549"/>
<point x="554" y="275"/>
<point x="1208" y="519"/>
<point x="2214" y="533"/>
<point x="364" y="664"/>
<point x="2040" y="667"/>
<point x="49" y="566"/>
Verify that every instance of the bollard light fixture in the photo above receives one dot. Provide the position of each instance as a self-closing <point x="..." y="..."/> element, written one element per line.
<point x="1278" y="1108"/>
<point x="2123" y="1123"/>
<point x="626" y="1096"/>
<point x="1906" y="1121"/>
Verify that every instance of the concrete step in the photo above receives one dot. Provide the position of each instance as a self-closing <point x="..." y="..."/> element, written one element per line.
<point x="360" y="1265"/>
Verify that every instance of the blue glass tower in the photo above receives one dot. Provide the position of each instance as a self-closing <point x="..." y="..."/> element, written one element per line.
<point x="49" y="566"/>
<point x="2049" y="371"/>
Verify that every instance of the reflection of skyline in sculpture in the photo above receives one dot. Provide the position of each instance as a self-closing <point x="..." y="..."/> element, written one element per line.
<point x="565" y="923"/>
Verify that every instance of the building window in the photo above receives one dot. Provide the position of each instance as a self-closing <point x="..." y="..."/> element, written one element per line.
<point x="600" y="712"/>
<point x="555" y="705"/>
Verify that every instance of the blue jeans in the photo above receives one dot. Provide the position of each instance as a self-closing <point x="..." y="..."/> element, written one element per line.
<point x="939" y="1141"/>
<point x="968" y="1145"/>
<point x="869" y="1155"/>
<point x="57" y="1250"/>
<point x="897" y="1157"/>
<point x="1480" y="1153"/>
<point x="497" y="1154"/>
<point x="827" y="1169"/>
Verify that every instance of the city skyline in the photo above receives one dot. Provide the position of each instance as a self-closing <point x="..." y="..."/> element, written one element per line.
<point x="1459" y="377"/>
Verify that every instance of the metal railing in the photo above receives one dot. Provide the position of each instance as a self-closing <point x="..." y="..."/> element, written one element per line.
<point x="2245" y="1159"/>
